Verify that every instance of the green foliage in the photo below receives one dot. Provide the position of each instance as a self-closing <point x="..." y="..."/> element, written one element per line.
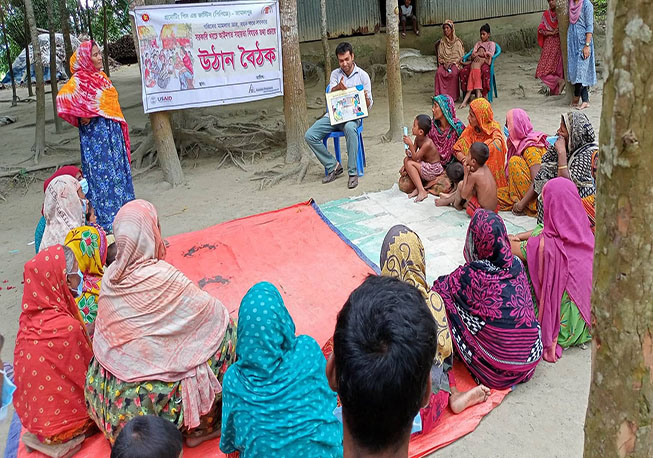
<point x="600" y="10"/>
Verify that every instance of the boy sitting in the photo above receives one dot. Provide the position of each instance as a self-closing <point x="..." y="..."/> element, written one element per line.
<point x="383" y="347"/>
<point x="422" y="161"/>
<point x="407" y="14"/>
<point x="475" y="82"/>
<point x="479" y="190"/>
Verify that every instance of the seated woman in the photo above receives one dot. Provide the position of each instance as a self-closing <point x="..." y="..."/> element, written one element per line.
<point x="525" y="150"/>
<point x="276" y="400"/>
<point x="161" y="344"/>
<point x="489" y="307"/>
<point x="450" y="52"/>
<point x="490" y="48"/>
<point x="573" y="156"/>
<point x="51" y="355"/>
<point x="89" y="243"/>
<point x="444" y="133"/>
<point x="560" y="255"/>
<point x="483" y="128"/>
<point x="402" y="257"/>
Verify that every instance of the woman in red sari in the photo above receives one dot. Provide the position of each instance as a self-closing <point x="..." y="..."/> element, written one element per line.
<point x="52" y="355"/>
<point x="549" y="68"/>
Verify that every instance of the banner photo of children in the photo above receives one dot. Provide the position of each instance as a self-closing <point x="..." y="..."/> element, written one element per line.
<point x="198" y="55"/>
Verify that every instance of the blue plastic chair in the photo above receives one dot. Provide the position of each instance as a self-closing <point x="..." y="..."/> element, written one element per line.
<point x="493" y="80"/>
<point x="360" y="156"/>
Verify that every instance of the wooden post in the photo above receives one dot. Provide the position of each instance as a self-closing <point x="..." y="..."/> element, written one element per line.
<point x="395" y="96"/>
<point x="105" y="40"/>
<point x="39" y="143"/>
<point x="54" y="87"/>
<point x="325" y="41"/>
<point x="28" y="64"/>
<point x="64" y="14"/>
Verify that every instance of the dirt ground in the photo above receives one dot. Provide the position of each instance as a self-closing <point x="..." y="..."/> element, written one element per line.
<point x="551" y="405"/>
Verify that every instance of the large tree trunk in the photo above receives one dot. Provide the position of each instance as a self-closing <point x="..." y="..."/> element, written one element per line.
<point x="161" y="129"/>
<point x="54" y="88"/>
<point x="105" y="39"/>
<point x="64" y="15"/>
<point x="39" y="145"/>
<point x="89" y="21"/>
<point x="619" y="416"/>
<point x="28" y="64"/>
<point x="294" y="96"/>
<point x="14" y="97"/>
<point x="325" y="41"/>
<point x="395" y="97"/>
<point x="562" y="11"/>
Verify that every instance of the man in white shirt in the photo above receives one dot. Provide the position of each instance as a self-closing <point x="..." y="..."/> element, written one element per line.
<point x="348" y="75"/>
<point x="408" y="14"/>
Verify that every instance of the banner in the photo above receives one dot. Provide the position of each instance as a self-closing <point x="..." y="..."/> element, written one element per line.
<point x="205" y="54"/>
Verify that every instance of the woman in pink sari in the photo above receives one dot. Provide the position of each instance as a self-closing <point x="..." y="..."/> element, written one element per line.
<point x="549" y="68"/>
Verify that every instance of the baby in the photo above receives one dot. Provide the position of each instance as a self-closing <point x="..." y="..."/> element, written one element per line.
<point x="479" y="188"/>
<point x="148" y="436"/>
<point x="475" y="83"/>
<point x="448" y="181"/>
<point x="422" y="161"/>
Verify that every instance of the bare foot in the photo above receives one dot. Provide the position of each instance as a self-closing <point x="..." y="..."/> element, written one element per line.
<point x="195" y="441"/>
<point x="421" y="196"/>
<point x="444" y="200"/>
<point x="561" y="86"/>
<point x="403" y="34"/>
<point x="574" y="102"/>
<point x="584" y="105"/>
<point x="460" y="401"/>
<point x="413" y="194"/>
<point x="463" y="106"/>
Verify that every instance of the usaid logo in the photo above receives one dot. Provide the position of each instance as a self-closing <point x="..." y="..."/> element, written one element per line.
<point x="160" y="99"/>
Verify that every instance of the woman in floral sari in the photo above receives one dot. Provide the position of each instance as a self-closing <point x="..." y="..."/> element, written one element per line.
<point x="89" y="243"/>
<point x="549" y="68"/>
<point x="489" y="307"/>
<point x="483" y="128"/>
<point x="573" y="156"/>
<point x="525" y="150"/>
<point x="161" y="344"/>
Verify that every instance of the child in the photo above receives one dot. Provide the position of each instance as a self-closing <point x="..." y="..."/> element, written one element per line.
<point x="490" y="48"/>
<point x="148" y="436"/>
<point x="474" y="82"/>
<point x="422" y="161"/>
<point x="448" y="181"/>
<point x="407" y="13"/>
<point x="479" y="188"/>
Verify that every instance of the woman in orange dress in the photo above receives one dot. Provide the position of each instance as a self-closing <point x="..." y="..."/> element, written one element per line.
<point x="52" y="355"/>
<point x="483" y="128"/>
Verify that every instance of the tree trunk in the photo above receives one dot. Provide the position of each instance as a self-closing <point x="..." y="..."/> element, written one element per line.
<point x="39" y="144"/>
<point x="89" y="21"/>
<point x="619" y="419"/>
<point x="54" y="88"/>
<point x="105" y="39"/>
<point x="325" y="41"/>
<point x="563" y="25"/>
<point x="64" y="15"/>
<point x="28" y="65"/>
<point x="162" y="130"/>
<point x="395" y="97"/>
<point x="294" y="96"/>
<point x="14" y="97"/>
<point x="74" y="13"/>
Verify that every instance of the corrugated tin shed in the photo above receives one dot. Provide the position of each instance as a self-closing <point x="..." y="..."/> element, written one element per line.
<point x="344" y="18"/>
<point x="431" y="12"/>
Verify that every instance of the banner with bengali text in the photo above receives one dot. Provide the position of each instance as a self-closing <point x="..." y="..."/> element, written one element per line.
<point x="205" y="54"/>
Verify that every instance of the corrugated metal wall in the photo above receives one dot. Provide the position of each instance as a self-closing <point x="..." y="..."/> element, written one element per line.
<point x="344" y="18"/>
<point x="432" y="12"/>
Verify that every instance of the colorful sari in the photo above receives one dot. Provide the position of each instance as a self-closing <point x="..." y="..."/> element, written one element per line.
<point x="445" y="139"/>
<point x="490" y="48"/>
<point x="62" y="209"/>
<point x="525" y="149"/>
<point x="549" y="68"/>
<point x="489" y="307"/>
<point x="582" y="158"/>
<point x="52" y="353"/>
<point x="488" y="132"/>
<point x="566" y="262"/>
<point x="276" y="399"/>
<point x="450" y="54"/>
<point x="89" y="243"/>
<point x="153" y="324"/>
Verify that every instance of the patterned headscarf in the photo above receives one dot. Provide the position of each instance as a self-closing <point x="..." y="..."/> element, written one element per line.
<point x="581" y="133"/>
<point x="402" y="257"/>
<point x="451" y="50"/>
<point x="62" y="209"/>
<point x="444" y="140"/>
<point x="90" y="93"/>
<point x="276" y="396"/>
<point x="89" y="243"/>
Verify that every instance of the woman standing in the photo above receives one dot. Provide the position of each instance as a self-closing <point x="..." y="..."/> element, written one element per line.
<point x="450" y="52"/>
<point x="550" y="69"/>
<point x="573" y="156"/>
<point x="580" y="51"/>
<point x="90" y="101"/>
<point x="525" y="150"/>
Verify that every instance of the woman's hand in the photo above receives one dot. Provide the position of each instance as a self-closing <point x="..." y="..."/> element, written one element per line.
<point x="513" y="238"/>
<point x="561" y="146"/>
<point x="586" y="52"/>
<point x="518" y="208"/>
<point x="84" y="121"/>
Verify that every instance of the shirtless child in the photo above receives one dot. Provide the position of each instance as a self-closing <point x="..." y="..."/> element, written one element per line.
<point x="422" y="161"/>
<point x="479" y="190"/>
<point x="474" y="82"/>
